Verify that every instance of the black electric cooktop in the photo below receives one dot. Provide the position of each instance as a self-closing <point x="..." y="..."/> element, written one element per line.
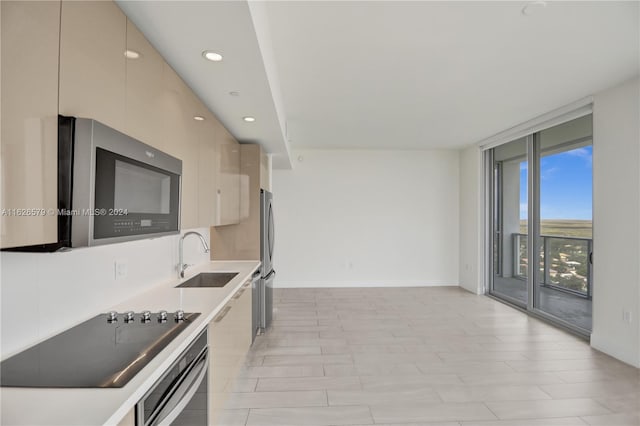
<point x="103" y="352"/>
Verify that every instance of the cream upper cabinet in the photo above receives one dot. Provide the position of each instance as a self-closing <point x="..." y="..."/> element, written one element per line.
<point x="242" y="242"/>
<point x="181" y="134"/>
<point x="207" y="160"/>
<point x="143" y="89"/>
<point x="265" y="172"/>
<point x="29" y="136"/>
<point x="228" y="177"/>
<point x="92" y="61"/>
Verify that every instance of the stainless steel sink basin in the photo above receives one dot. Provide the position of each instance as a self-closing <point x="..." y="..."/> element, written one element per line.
<point x="209" y="279"/>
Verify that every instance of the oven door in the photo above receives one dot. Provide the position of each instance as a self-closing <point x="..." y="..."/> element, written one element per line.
<point x="180" y="397"/>
<point x="133" y="198"/>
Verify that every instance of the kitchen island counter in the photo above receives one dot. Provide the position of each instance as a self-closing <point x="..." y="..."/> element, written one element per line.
<point x="72" y="406"/>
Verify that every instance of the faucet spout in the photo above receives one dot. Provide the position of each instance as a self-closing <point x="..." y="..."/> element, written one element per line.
<point x="181" y="265"/>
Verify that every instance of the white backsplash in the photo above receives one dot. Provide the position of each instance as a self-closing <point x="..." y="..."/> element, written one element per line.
<point x="45" y="293"/>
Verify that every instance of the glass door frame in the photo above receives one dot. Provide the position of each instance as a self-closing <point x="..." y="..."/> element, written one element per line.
<point x="534" y="238"/>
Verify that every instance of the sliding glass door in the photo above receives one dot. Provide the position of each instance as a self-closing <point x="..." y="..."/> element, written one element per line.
<point x="510" y="221"/>
<point x="541" y="223"/>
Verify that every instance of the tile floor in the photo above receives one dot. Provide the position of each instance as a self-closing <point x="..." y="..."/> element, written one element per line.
<point x="577" y="310"/>
<point x="424" y="356"/>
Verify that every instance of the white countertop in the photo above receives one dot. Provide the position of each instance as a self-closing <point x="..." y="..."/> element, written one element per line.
<point x="43" y="406"/>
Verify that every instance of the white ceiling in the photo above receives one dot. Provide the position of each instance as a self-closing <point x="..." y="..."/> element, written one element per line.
<point x="390" y="75"/>
<point x="182" y="30"/>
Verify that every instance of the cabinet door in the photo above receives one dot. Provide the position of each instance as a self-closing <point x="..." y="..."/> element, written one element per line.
<point x="229" y="342"/>
<point x="29" y="138"/>
<point x="180" y="135"/>
<point x="222" y="360"/>
<point x="228" y="191"/>
<point x="243" y="312"/>
<point x="144" y="90"/>
<point x="207" y="161"/>
<point x="92" y="61"/>
<point x="265" y="172"/>
<point x="129" y="419"/>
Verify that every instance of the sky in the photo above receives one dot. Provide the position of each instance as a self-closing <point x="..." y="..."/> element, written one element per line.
<point x="566" y="185"/>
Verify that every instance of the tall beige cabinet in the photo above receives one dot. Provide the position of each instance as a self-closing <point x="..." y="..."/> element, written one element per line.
<point x="242" y="241"/>
<point x="29" y="136"/>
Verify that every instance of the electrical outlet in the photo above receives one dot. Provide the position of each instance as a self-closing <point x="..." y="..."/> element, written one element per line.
<point x="626" y="316"/>
<point x="121" y="269"/>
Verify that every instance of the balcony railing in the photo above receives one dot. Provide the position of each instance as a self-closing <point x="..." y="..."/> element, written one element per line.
<point x="564" y="262"/>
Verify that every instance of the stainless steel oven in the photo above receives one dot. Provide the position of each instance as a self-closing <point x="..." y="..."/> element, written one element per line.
<point x="180" y="397"/>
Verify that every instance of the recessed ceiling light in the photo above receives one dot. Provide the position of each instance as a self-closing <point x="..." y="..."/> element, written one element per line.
<point x="533" y="6"/>
<point x="234" y="93"/>
<point x="198" y="118"/>
<point x="131" y="54"/>
<point x="249" y="119"/>
<point x="212" y="56"/>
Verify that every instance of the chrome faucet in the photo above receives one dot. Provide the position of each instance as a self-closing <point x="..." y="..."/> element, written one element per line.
<point x="181" y="265"/>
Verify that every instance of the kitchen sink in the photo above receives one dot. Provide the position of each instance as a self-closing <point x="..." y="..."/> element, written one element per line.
<point x="209" y="279"/>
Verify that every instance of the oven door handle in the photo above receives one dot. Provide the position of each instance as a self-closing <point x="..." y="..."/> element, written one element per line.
<point x="183" y="393"/>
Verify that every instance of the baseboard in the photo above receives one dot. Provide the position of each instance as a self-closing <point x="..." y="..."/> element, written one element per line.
<point x="337" y="284"/>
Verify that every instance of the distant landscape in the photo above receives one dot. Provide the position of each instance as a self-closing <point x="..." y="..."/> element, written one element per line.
<point x="568" y="264"/>
<point x="563" y="228"/>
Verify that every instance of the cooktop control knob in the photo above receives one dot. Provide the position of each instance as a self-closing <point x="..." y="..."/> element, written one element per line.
<point x="112" y="316"/>
<point x="128" y="316"/>
<point x="146" y="316"/>
<point x="162" y="316"/>
<point x="179" y="315"/>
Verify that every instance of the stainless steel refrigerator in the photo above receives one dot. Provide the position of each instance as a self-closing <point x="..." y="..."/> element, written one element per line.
<point x="267" y="273"/>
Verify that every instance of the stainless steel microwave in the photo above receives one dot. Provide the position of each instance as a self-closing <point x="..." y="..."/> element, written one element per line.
<point x="112" y="187"/>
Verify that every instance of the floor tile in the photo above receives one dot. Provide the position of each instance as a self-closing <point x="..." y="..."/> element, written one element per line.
<point x="629" y="403"/>
<point x="283" y="371"/>
<point x="340" y="370"/>
<point x="277" y="399"/>
<point x="465" y="367"/>
<point x="289" y="350"/>
<point x="229" y="417"/>
<point x="490" y="393"/>
<point x="318" y="416"/>
<point x="555" y="365"/>
<point x="399" y="383"/>
<point x="591" y="389"/>
<point x="306" y="359"/>
<point x="242" y="384"/>
<point x="430" y="412"/>
<point x="619" y="419"/>
<point x="368" y="397"/>
<point x="307" y="383"/>
<point x="556" y="421"/>
<point x="424" y="357"/>
<point x="546" y="408"/>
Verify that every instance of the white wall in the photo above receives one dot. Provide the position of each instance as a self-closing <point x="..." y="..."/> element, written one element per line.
<point x="45" y="293"/>
<point x="367" y="218"/>
<point x="471" y="204"/>
<point x="616" y="239"/>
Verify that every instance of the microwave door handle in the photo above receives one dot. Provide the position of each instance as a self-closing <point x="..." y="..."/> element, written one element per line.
<point x="184" y="393"/>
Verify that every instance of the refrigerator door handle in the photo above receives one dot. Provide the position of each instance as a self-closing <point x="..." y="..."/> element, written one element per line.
<point x="270" y="275"/>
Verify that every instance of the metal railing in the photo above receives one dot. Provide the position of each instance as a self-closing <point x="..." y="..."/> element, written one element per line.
<point x="564" y="262"/>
